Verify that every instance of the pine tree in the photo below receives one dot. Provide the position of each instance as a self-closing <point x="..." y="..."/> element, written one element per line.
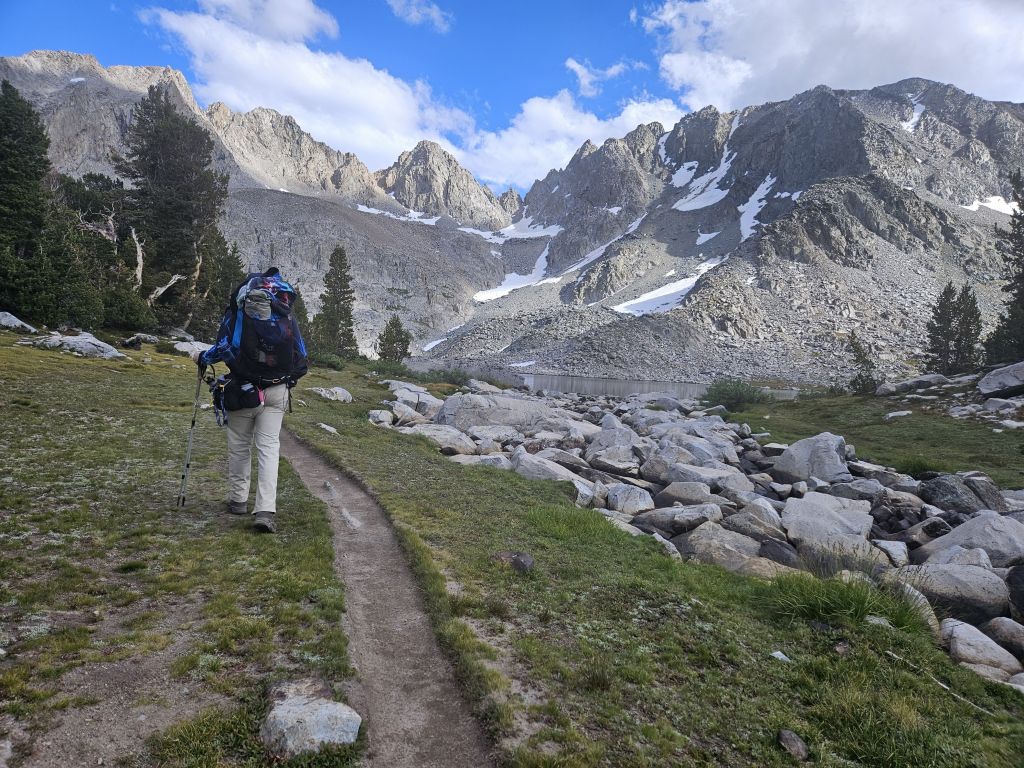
<point x="299" y="311"/>
<point x="175" y="200"/>
<point x="965" y="354"/>
<point x="23" y="166"/>
<point x="866" y="380"/>
<point x="332" y="331"/>
<point x="1006" y="343"/>
<point x="393" y="342"/>
<point x="221" y="273"/>
<point x="941" y="331"/>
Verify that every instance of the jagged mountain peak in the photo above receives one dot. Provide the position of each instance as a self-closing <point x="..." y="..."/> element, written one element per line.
<point x="512" y="203"/>
<point x="430" y="179"/>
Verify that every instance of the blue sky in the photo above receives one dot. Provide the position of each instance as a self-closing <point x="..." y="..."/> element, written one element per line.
<point x="513" y="89"/>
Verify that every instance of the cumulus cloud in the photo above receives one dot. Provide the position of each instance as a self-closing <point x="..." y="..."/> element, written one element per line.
<point x="277" y="19"/>
<point x="590" y="78"/>
<point x="355" y="107"/>
<point x="346" y="102"/>
<point x="547" y="132"/>
<point x="421" y="12"/>
<point x="733" y="53"/>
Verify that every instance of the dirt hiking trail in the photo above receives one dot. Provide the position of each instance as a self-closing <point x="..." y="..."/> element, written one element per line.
<point x="405" y="688"/>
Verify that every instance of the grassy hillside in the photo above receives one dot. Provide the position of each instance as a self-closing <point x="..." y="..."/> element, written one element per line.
<point x="609" y="653"/>
<point x="924" y="440"/>
<point x="102" y="578"/>
<point x="606" y="654"/>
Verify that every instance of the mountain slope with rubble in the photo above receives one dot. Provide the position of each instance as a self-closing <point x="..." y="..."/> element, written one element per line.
<point x="747" y="243"/>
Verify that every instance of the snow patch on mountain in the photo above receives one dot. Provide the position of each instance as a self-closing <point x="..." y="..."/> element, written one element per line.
<point x="524" y="228"/>
<point x="415" y="216"/>
<point x="750" y="209"/>
<point x="684" y="175"/>
<point x="703" y="238"/>
<point x="705" y="190"/>
<point x="513" y="281"/>
<point x="668" y="296"/>
<point x="911" y="124"/>
<point x="598" y="252"/>
<point x="431" y="344"/>
<point x="995" y="203"/>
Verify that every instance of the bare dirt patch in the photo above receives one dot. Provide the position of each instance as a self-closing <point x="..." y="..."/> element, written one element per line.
<point x="134" y="698"/>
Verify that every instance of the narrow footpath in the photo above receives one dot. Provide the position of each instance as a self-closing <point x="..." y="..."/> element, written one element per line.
<point x="405" y="689"/>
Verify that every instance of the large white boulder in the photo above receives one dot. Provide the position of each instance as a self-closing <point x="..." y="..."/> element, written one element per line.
<point x="965" y="592"/>
<point x="188" y="347"/>
<point x="419" y="400"/>
<point x="970" y="645"/>
<point x="535" y="468"/>
<point x="710" y="543"/>
<point x="822" y="456"/>
<point x="1001" y="537"/>
<point x="11" y="323"/>
<point x="677" y="520"/>
<point x="463" y="411"/>
<point x="495" y="460"/>
<point x="334" y="394"/>
<point x="84" y="344"/>
<point x="629" y="499"/>
<point x="448" y="439"/>
<point x="817" y="516"/>
<point x="1003" y="382"/>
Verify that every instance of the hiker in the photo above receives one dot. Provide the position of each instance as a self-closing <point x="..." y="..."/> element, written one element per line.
<point x="260" y="342"/>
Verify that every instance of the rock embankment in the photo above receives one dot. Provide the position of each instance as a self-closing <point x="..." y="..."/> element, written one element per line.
<point x="710" y="490"/>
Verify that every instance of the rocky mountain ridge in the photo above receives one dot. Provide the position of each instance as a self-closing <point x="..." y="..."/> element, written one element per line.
<point x="747" y="243"/>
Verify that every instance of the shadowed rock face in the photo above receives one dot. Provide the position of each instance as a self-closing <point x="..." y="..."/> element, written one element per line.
<point x="797" y="222"/>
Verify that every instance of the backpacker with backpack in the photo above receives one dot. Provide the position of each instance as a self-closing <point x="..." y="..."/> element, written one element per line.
<point x="260" y="341"/>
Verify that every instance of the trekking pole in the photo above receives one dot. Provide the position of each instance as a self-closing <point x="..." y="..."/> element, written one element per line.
<point x="191" y="432"/>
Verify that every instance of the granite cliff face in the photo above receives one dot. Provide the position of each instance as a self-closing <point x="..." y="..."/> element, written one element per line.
<point x="430" y="180"/>
<point x="748" y="243"/>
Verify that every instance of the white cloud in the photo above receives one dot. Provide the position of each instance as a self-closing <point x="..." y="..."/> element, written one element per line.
<point x="737" y="52"/>
<point x="421" y="12"/>
<point x="346" y="102"/>
<point x="589" y="78"/>
<point x="277" y="19"/>
<point x="547" y="132"/>
<point x="355" y="107"/>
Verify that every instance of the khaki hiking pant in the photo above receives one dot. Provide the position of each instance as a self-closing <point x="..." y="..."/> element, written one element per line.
<point x="261" y="426"/>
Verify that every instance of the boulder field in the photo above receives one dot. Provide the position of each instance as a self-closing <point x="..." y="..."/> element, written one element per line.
<point x="712" y="491"/>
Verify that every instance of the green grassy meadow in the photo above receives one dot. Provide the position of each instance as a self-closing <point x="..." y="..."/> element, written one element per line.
<point x="608" y="653"/>
<point x="97" y="566"/>
<point x="925" y="440"/>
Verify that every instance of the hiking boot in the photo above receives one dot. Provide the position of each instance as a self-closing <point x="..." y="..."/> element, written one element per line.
<point x="237" y="508"/>
<point x="264" y="522"/>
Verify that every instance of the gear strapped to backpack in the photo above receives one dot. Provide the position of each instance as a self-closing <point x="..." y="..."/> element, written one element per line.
<point x="260" y="340"/>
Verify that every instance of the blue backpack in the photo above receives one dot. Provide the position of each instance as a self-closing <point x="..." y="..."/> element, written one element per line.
<point x="259" y="338"/>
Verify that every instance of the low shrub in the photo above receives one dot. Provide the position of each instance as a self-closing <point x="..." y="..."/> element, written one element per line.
<point x="916" y="465"/>
<point x="327" y="360"/>
<point x="165" y="347"/>
<point x="455" y="376"/>
<point x="390" y="369"/>
<point x="734" y="394"/>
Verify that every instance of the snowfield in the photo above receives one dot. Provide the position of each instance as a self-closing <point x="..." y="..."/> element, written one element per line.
<point x="668" y="296"/>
